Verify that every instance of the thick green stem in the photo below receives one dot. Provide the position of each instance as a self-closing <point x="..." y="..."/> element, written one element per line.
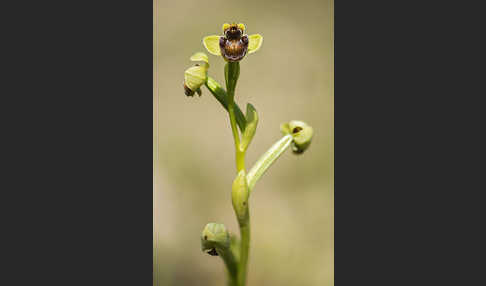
<point x="231" y="265"/>
<point x="244" y="249"/>
<point x="232" y="72"/>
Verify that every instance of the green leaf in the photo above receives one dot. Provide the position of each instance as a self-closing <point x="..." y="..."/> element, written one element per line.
<point x="254" y="43"/>
<point x="251" y="126"/>
<point x="211" y="43"/>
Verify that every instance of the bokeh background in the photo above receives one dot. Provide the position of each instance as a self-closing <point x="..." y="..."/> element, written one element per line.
<point x="292" y="206"/>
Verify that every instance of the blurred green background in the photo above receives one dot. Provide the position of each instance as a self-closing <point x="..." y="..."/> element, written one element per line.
<point x="292" y="206"/>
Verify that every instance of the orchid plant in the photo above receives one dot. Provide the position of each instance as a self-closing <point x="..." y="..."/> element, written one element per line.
<point x="233" y="45"/>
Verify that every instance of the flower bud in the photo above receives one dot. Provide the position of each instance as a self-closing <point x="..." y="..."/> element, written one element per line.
<point x="194" y="77"/>
<point x="240" y="196"/>
<point x="197" y="75"/>
<point x="301" y="133"/>
<point x="215" y="238"/>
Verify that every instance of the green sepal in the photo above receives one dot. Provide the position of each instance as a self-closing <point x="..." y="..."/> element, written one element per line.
<point x="211" y="43"/>
<point x="255" y="41"/>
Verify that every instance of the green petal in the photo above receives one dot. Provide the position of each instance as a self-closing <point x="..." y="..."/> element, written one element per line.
<point x="211" y="43"/>
<point x="255" y="42"/>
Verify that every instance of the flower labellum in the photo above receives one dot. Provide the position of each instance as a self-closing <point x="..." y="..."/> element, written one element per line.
<point x="234" y="44"/>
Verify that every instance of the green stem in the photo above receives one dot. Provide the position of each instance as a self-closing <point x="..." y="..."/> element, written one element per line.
<point x="232" y="72"/>
<point x="231" y="265"/>
<point x="244" y="249"/>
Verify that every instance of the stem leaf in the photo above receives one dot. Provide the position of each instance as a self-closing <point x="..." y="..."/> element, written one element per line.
<point x="251" y="126"/>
